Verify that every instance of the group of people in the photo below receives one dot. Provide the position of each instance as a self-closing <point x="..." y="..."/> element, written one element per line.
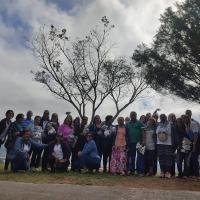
<point x="133" y="146"/>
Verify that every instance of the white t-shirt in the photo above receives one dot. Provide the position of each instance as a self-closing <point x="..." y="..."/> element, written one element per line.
<point x="26" y="148"/>
<point x="58" y="151"/>
<point x="167" y="129"/>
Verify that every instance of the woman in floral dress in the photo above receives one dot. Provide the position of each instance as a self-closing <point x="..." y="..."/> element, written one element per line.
<point x="118" y="163"/>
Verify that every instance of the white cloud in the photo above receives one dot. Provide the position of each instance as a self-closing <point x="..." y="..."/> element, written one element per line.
<point x="136" y="21"/>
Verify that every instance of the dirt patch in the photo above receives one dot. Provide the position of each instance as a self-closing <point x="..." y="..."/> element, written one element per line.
<point x="137" y="182"/>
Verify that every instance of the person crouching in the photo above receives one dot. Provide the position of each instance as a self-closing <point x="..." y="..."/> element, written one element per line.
<point x="59" y="154"/>
<point x="20" y="153"/>
<point x="88" y="158"/>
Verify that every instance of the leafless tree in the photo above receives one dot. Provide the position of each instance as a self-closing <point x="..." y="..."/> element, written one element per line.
<point x="81" y="72"/>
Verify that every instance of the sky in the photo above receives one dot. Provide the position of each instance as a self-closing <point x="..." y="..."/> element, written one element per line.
<point x="136" y="21"/>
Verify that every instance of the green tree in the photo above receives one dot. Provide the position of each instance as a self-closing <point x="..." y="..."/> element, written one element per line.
<point x="172" y="63"/>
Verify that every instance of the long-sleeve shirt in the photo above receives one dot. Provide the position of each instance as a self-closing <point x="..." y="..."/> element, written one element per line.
<point x="134" y="131"/>
<point x="90" y="149"/>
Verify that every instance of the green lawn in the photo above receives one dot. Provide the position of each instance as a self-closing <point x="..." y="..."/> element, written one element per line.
<point x="101" y="179"/>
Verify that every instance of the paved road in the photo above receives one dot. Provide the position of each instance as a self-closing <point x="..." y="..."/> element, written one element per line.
<point x="28" y="191"/>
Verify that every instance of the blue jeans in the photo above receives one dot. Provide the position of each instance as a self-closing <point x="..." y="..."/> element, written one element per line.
<point x="132" y="159"/>
<point x="88" y="162"/>
<point x="183" y="157"/>
<point x="20" y="162"/>
<point x="194" y="164"/>
<point x="140" y="163"/>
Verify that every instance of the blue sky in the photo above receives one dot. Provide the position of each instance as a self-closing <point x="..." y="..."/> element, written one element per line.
<point x="136" y="21"/>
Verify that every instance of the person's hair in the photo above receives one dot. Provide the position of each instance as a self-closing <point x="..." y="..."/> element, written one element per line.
<point x="96" y="116"/>
<point x="84" y="118"/>
<point x="152" y="119"/>
<point x="58" y="135"/>
<point x="26" y="131"/>
<point x="90" y="133"/>
<point x="142" y="117"/>
<point x="19" y="116"/>
<point x="37" y="116"/>
<point x="29" y="111"/>
<point x="108" y="117"/>
<point x="75" y="120"/>
<point x="187" y="117"/>
<point x="133" y="112"/>
<point x="54" y="115"/>
<point x="163" y="115"/>
<point x="67" y="119"/>
<point x="120" y="118"/>
<point x="127" y="119"/>
<point x="10" y="111"/>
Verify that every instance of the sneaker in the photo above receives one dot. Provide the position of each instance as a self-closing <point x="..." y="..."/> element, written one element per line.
<point x="167" y="175"/>
<point x="32" y="169"/>
<point x="37" y="169"/>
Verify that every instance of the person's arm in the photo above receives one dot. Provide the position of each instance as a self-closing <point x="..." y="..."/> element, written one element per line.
<point x="66" y="151"/>
<point x="2" y="126"/>
<point x="18" y="146"/>
<point x="88" y="148"/>
<point x="194" y="128"/>
<point x="127" y="134"/>
<point x="36" y="145"/>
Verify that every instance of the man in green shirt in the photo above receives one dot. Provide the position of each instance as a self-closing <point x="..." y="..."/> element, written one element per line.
<point x="134" y="135"/>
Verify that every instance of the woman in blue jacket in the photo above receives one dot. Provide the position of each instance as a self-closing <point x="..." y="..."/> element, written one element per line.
<point x="88" y="158"/>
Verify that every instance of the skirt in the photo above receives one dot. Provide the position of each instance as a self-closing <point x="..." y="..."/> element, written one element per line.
<point x="118" y="162"/>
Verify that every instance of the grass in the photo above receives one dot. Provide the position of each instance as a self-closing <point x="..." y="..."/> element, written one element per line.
<point x="102" y="179"/>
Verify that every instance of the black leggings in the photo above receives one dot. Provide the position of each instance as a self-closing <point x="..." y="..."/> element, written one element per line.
<point x="107" y="151"/>
<point x="35" y="158"/>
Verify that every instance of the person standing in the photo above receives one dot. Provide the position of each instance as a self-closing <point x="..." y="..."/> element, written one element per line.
<point x="4" y="126"/>
<point x="66" y="128"/>
<point x="28" y="122"/>
<point x="184" y="148"/>
<point x="172" y="121"/>
<point x="107" y="141"/>
<point x="95" y="128"/>
<point x="192" y="131"/>
<point x="36" y="135"/>
<point x="15" y="130"/>
<point x="45" y="119"/>
<point x="134" y="135"/>
<point x="150" y="144"/>
<point x="49" y="136"/>
<point x="164" y="146"/>
<point x="80" y="131"/>
<point x="118" y="164"/>
<point x="79" y="144"/>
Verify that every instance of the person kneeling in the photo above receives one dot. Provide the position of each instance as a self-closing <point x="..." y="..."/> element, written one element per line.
<point x="19" y="154"/>
<point x="89" y="158"/>
<point x="59" y="154"/>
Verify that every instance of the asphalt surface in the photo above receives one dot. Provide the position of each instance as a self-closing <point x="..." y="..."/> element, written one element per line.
<point x="29" y="191"/>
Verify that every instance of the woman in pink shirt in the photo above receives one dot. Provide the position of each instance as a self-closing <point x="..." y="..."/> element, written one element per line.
<point x="66" y="128"/>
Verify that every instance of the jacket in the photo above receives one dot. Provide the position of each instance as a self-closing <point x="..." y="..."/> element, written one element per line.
<point x="19" y="148"/>
<point x="3" y="126"/>
<point x="65" y="149"/>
